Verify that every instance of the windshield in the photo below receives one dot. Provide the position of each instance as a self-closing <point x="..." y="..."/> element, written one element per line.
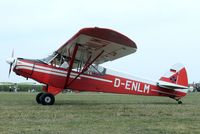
<point x="57" y="60"/>
<point x="49" y="58"/>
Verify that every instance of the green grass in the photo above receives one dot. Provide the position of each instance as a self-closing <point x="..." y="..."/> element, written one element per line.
<point x="98" y="113"/>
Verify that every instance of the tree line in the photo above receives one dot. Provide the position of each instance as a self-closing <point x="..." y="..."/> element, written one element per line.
<point x="20" y="88"/>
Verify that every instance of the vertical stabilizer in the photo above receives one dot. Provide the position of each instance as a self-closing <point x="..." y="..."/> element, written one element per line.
<point x="176" y="75"/>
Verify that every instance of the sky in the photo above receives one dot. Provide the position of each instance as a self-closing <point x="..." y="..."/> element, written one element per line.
<point x="165" y="31"/>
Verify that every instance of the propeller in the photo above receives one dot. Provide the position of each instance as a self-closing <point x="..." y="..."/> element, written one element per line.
<point x="10" y="61"/>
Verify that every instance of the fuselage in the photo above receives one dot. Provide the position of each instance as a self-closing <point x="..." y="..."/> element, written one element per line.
<point x="109" y="82"/>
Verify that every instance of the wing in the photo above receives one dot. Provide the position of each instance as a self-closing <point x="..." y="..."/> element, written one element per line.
<point x="92" y="41"/>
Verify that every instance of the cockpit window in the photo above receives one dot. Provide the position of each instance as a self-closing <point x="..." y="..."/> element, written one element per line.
<point x="57" y="60"/>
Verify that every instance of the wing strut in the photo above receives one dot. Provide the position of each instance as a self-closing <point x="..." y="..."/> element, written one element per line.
<point x="71" y="64"/>
<point x="87" y="64"/>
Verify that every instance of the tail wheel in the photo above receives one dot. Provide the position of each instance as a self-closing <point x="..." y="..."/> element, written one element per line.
<point x="180" y="102"/>
<point x="38" y="97"/>
<point x="177" y="99"/>
<point x="47" y="99"/>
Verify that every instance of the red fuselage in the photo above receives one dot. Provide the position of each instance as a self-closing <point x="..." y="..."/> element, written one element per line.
<point x="55" y="77"/>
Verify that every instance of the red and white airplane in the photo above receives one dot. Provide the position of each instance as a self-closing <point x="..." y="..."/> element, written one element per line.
<point x="76" y="66"/>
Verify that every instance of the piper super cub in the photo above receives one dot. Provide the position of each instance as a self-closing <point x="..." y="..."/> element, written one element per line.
<point x="76" y="66"/>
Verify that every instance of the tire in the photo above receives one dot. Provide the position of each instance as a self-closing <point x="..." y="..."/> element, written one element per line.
<point x="47" y="99"/>
<point x="38" y="97"/>
<point x="180" y="102"/>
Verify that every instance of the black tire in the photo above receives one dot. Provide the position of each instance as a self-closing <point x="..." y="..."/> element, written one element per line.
<point x="180" y="102"/>
<point x="47" y="99"/>
<point x="38" y="97"/>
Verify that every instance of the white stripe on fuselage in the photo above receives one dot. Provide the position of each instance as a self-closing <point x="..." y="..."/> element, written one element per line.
<point x="37" y="68"/>
<point x="45" y="71"/>
<point x="41" y="67"/>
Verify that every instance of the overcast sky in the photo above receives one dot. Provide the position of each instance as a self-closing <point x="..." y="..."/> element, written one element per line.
<point x="165" y="31"/>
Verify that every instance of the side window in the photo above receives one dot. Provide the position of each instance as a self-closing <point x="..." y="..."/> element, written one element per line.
<point x="97" y="70"/>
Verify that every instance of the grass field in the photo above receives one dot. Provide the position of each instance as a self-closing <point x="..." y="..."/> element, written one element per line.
<point x="98" y="113"/>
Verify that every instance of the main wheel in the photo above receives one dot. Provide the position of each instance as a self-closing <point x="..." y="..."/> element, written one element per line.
<point x="47" y="99"/>
<point x="38" y="97"/>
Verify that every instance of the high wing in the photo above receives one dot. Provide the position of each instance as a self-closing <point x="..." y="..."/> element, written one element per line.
<point x="92" y="41"/>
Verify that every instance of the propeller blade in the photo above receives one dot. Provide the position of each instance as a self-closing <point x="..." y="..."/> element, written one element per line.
<point x="10" y="69"/>
<point x="13" y="53"/>
<point x="11" y="62"/>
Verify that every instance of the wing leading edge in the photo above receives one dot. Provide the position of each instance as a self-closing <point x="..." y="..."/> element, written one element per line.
<point x="93" y="41"/>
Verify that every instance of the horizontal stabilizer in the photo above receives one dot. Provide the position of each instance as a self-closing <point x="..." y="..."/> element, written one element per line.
<point x="170" y="85"/>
